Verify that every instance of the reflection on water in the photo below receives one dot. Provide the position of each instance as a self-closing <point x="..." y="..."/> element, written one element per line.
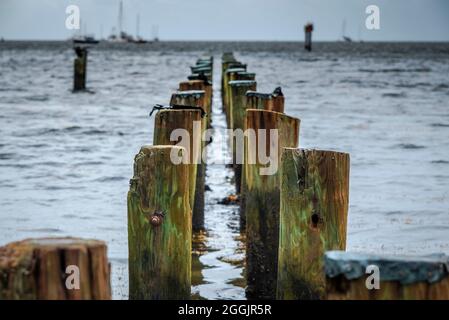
<point x="65" y="159"/>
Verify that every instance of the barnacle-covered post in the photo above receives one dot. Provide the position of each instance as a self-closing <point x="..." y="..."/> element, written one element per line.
<point x="313" y="218"/>
<point x="261" y="196"/>
<point x="159" y="225"/>
<point x="80" y="69"/>
<point x="196" y="98"/>
<point x="266" y="101"/>
<point x="237" y="113"/>
<point x="352" y="276"/>
<point x="55" y="269"/>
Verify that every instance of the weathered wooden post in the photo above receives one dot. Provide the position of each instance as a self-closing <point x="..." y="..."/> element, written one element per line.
<point x="262" y="196"/>
<point x="313" y="219"/>
<point x="242" y="75"/>
<point x="400" y="277"/>
<point x="266" y="101"/>
<point x="226" y="92"/>
<point x="202" y="85"/>
<point x="80" y="69"/>
<point x="196" y="98"/>
<point x="237" y="113"/>
<point x="159" y="225"/>
<point x="224" y="80"/>
<point x="55" y="269"/>
<point x="166" y="122"/>
<point x="226" y="58"/>
<point x="206" y="69"/>
<point x="308" y="33"/>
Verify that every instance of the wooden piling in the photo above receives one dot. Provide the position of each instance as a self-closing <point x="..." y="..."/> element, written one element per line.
<point x="266" y="101"/>
<point x="80" y="69"/>
<point x="313" y="219"/>
<point x="49" y="269"/>
<point x="201" y="85"/>
<point x="261" y="199"/>
<point x="242" y="75"/>
<point x="226" y="65"/>
<point x="166" y="122"/>
<point x="237" y="113"/>
<point x="159" y="226"/>
<point x="205" y="69"/>
<point x="196" y="98"/>
<point x="226" y="92"/>
<point x="400" y="277"/>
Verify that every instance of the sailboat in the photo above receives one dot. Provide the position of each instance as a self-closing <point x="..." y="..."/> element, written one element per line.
<point x="138" y="39"/>
<point x="84" y="38"/>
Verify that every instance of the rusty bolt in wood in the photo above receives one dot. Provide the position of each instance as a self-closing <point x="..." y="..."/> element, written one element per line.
<point x="157" y="218"/>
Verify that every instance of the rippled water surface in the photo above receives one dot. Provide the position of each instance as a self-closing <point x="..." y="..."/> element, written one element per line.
<point x="66" y="159"/>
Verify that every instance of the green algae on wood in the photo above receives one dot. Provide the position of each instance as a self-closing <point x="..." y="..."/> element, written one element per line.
<point x="166" y="122"/>
<point x="40" y="269"/>
<point x="159" y="226"/>
<point x="237" y="114"/>
<point x="261" y="199"/>
<point x="313" y="219"/>
<point x="196" y="98"/>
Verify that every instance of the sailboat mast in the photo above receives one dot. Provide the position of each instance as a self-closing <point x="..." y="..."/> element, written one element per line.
<point x="137" y="26"/>
<point x="120" y="19"/>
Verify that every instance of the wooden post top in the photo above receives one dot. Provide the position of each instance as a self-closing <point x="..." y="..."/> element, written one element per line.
<point x="276" y="93"/>
<point x="404" y="269"/>
<point x="235" y="64"/>
<point x="246" y="74"/>
<point x="57" y="242"/>
<point x="192" y="83"/>
<point x="242" y="83"/>
<point x="231" y="70"/>
<point x="318" y="151"/>
<point x="274" y="113"/>
<point x="200" y="76"/>
<point x="189" y="94"/>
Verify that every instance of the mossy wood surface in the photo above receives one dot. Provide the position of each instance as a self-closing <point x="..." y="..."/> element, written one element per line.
<point x="261" y="198"/>
<point x="191" y="98"/>
<point x="168" y="120"/>
<point x="159" y="226"/>
<point x="237" y="113"/>
<point x="313" y="218"/>
<point x="36" y="269"/>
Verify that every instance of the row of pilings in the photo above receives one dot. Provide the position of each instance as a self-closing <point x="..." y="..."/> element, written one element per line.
<point x="293" y="209"/>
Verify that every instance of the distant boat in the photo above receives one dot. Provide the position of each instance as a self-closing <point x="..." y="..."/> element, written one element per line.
<point x="347" y="39"/>
<point x="123" y="36"/>
<point x="85" y="40"/>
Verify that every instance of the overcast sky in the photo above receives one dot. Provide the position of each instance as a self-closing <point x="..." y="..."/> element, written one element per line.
<point x="404" y="20"/>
